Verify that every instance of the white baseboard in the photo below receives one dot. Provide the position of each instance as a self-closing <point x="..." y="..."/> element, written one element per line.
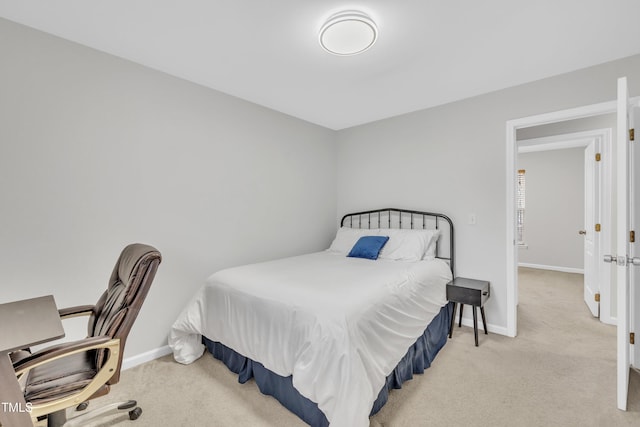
<point x="493" y="329"/>
<point x="552" y="268"/>
<point x="148" y="356"/>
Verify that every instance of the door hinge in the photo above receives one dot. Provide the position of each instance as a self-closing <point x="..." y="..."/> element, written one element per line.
<point x="598" y="157"/>
<point x="632" y="236"/>
<point x="631" y="134"/>
<point x="597" y="297"/>
<point x="598" y="227"/>
<point x="632" y="338"/>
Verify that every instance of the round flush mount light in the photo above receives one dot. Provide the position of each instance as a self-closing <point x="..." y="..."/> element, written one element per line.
<point x="348" y="33"/>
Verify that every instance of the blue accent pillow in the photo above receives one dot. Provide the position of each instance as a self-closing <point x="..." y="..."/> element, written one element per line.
<point x="368" y="247"/>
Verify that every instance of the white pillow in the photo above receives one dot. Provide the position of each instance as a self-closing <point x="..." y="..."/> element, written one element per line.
<point x="430" y="252"/>
<point x="346" y="237"/>
<point x="405" y="244"/>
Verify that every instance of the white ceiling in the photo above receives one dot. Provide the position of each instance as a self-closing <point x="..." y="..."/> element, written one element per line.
<point x="429" y="52"/>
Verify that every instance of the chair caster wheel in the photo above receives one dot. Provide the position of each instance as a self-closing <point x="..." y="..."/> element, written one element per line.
<point x="82" y="406"/>
<point x="135" y="413"/>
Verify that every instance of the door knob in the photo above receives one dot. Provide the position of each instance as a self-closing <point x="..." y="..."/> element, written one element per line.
<point x="583" y="232"/>
<point x="610" y="258"/>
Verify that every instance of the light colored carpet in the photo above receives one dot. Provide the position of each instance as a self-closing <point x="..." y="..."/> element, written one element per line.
<point x="559" y="371"/>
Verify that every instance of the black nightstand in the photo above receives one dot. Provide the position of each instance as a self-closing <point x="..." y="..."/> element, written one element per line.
<point x="472" y="292"/>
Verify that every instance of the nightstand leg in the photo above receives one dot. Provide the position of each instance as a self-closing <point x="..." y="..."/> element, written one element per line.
<point x="460" y="321"/>
<point x="475" y="325"/>
<point x="453" y="319"/>
<point x="484" y="321"/>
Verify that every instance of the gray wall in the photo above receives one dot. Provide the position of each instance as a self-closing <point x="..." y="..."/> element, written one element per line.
<point x="97" y="152"/>
<point x="554" y="210"/>
<point x="452" y="159"/>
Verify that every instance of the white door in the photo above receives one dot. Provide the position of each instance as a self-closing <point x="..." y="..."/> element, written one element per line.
<point x="591" y="286"/>
<point x="624" y="258"/>
<point x="634" y="294"/>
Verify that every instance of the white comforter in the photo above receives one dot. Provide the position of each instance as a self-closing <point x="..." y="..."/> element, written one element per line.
<point x="339" y="325"/>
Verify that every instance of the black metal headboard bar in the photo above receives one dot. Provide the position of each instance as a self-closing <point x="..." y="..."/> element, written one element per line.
<point x="349" y="218"/>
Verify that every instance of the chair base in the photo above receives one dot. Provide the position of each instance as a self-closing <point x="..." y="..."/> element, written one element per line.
<point x="59" y="419"/>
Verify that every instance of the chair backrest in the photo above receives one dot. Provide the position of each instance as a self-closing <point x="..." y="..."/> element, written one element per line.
<point x="118" y="307"/>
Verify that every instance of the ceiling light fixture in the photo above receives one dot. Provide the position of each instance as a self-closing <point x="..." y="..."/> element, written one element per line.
<point x="348" y="33"/>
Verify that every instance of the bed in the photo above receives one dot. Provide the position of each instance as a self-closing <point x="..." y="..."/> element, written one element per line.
<point x="328" y="334"/>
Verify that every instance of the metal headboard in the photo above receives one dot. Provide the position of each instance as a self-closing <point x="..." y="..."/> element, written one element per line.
<point x="402" y="218"/>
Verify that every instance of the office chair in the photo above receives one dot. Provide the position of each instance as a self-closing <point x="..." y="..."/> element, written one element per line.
<point x="68" y="374"/>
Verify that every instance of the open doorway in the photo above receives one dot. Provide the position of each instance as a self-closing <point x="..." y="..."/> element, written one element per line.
<point x="543" y="125"/>
<point x="568" y="195"/>
<point x="627" y="110"/>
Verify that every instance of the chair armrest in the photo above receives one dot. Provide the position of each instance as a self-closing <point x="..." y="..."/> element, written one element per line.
<point x="58" y="353"/>
<point x="65" y="349"/>
<point x="78" y="310"/>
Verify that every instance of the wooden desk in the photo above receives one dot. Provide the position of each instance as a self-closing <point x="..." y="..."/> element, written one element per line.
<point x="23" y="324"/>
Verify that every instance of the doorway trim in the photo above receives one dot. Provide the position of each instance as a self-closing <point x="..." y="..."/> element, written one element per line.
<point x="602" y="138"/>
<point x="511" y="175"/>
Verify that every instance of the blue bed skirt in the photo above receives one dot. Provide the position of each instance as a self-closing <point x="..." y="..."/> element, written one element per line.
<point x="415" y="361"/>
